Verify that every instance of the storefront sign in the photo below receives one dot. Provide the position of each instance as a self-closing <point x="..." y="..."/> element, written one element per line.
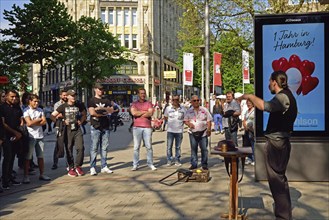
<point x="169" y="75"/>
<point x="123" y="80"/>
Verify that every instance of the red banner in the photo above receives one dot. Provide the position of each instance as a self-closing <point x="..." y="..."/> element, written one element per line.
<point x="217" y="79"/>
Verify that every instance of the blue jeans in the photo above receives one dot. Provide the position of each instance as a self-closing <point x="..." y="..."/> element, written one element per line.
<point x="203" y="143"/>
<point x="101" y="139"/>
<point x="178" y="141"/>
<point x="144" y="134"/>
<point x="218" y="122"/>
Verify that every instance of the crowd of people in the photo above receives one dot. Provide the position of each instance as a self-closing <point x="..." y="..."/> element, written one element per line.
<point x="25" y="121"/>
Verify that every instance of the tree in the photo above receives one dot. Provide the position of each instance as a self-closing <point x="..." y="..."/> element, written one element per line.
<point x="96" y="53"/>
<point x="40" y="33"/>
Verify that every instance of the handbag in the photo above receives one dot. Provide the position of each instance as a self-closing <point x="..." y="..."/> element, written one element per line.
<point x="246" y="140"/>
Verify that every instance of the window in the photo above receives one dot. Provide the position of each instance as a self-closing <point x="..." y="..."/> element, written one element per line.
<point x="119" y="17"/>
<point x="129" y="68"/>
<point x="103" y="15"/>
<point x="111" y="16"/>
<point x="126" y="18"/>
<point x="134" y="17"/>
<point x="127" y="40"/>
<point x="134" y="41"/>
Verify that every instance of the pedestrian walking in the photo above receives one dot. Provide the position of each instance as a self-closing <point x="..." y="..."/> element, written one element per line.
<point x="283" y="112"/>
<point x="99" y="108"/>
<point x="217" y="111"/>
<point x="48" y="110"/>
<point x="142" y="112"/>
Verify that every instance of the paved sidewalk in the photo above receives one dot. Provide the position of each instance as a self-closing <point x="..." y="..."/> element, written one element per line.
<point x="127" y="194"/>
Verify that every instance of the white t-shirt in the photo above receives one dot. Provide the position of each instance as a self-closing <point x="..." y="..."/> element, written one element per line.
<point x="199" y="119"/>
<point x="35" y="131"/>
<point x="175" y="119"/>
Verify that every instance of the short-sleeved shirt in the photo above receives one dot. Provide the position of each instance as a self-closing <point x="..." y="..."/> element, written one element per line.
<point x="141" y="121"/>
<point x="175" y="119"/>
<point x="12" y="115"/>
<point x="35" y="131"/>
<point x="249" y="117"/>
<point x="233" y="105"/>
<point x="99" y="123"/>
<point x="71" y="113"/>
<point x="198" y="119"/>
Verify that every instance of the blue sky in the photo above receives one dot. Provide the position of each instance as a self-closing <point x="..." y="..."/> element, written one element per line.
<point x="7" y="5"/>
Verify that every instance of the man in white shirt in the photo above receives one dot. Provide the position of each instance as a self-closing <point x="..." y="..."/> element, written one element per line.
<point x="174" y="115"/>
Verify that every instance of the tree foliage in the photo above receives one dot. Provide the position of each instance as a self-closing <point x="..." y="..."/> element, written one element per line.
<point x="40" y="33"/>
<point x="95" y="53"/>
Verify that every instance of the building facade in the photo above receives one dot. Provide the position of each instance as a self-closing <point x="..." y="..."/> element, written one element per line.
<point x="148" y="28"/>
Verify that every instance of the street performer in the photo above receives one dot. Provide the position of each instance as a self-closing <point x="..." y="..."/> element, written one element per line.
<point x="283" y="112"/>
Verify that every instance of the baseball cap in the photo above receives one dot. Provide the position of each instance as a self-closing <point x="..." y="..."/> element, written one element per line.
<point x="71" y="92"/>
<point x="98" y="86"/>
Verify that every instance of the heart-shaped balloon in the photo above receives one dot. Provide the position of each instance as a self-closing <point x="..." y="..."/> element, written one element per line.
<point x="294" y="79"/>
<point x="299" y="90"/>
<point x="307" y="68"/>
<point x="294" y="61"/>
<point x="308" y="84"/>
<point x="280" y="64"/>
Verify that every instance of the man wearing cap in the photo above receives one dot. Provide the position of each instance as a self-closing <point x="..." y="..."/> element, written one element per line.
<point x="99" y="108"/>
<point x="74" y="115"/>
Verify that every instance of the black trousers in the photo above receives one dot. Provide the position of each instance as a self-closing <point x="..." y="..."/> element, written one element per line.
<point x="74" y="138"/>
<point x="10" y="150"/>
<point x="277" y="154"/>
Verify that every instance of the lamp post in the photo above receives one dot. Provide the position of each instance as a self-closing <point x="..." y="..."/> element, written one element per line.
<point x="202" y="47"/>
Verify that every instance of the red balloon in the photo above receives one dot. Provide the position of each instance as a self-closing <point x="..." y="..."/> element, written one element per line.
<point x="308" y="84"/>
<point x="294" y="61"/>
<point x="280" y="64"/>
<point x="307" y="68"/>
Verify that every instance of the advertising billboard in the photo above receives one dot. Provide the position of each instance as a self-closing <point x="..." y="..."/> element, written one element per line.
<point x="298" y="45"/>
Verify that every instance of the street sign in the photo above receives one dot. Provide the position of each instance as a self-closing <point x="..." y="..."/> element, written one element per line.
<point x="4" y="80"/>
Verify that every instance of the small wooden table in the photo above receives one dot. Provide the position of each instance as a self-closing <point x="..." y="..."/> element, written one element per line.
<point x="232" y="158"/>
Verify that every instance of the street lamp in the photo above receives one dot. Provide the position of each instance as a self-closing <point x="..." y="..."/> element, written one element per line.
<point x="202" y="47"/>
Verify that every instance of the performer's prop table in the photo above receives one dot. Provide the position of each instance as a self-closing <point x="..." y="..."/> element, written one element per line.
<point x="232" y="159"/>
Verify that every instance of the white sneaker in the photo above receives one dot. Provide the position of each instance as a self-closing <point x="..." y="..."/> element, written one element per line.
<point x="153" y="167"/>
<point x="134" y="168"/>
<point x="169" y="163"/>
<point x="217" y="132"/>
<point x="248" y="161"/>
<point x="93" y="171"/>
<point x="106" y="170"/>
<point x="178" y="164"/>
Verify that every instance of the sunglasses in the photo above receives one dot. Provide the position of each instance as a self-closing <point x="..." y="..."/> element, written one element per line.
<point x="195" y="100"/>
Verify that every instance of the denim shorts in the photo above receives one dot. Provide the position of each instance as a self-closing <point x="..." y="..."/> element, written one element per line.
<point x="36" y="144"/>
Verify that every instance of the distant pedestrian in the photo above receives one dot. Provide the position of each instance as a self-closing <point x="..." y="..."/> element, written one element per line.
<point x="198" y="119"/>
<point x="174" y="114"/>
<point x="99" y="108"/>
<point x="35" y="118"/>
<point x="218" y="115"/>
<point x="71" y="111"/>
<point x="142" y="111"/>
<point x="48" y="110"/>
<point x="283" y="112"/>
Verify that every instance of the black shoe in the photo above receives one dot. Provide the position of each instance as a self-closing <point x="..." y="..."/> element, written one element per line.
<point x="54" y="167"/>
<point x="15" y="183"/>
<point x="192" y="168"/>
<point x="205" y="168"/>
<point x="5" y="186"/>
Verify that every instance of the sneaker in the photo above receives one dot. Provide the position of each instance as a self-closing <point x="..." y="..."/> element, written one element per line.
<point x="32" y="171"/>
<point x="44" y="177"/>
<point x="15" y="183"/>
<point x="72" y="173"/>
<point x="54" y="167"/>
<point x="205" y="168"/>
<point x="169" y="163"/>
<point x="153" y="168"/>
<point x="79" y="171"/>
<point x="93" y="171"/>
<point x="222" y="131"/>
<point x="134" y="168"/>
<point x="26" y="180"/>
<point x="252" y="163"/>
<point x="106" y="170"/>
<point x="178" y="164"/>
<point x="217" y="132"/>
<point x="248" y="161"/>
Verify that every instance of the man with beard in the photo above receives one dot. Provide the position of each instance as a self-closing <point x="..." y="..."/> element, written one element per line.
<point x="59" y="148"/>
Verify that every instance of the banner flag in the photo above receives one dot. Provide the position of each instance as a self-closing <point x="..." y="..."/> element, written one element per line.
<point x="188" y="69"/>
<point x="245" y="67"/>
<point x="217" y="76"/>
